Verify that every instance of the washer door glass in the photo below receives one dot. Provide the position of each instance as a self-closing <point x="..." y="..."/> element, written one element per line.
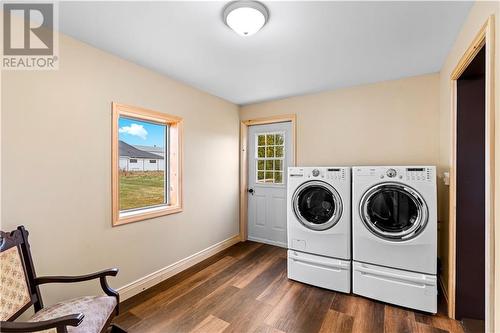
<point x="317" y="205"/>
<point x="394" y="211"/>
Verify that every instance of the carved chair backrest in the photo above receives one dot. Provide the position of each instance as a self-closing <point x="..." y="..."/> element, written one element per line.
<point x="17" y="274"/>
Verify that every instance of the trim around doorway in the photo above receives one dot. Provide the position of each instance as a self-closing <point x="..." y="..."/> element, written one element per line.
<point x="486" y="38"/>
<point x="244" y="161"/>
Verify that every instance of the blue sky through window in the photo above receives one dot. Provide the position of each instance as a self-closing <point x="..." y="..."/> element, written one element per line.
<point x="136" y="132"/>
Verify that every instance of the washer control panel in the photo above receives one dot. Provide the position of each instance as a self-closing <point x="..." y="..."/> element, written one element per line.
<point x="319" y="173"/>
<point x="336" y="173"/>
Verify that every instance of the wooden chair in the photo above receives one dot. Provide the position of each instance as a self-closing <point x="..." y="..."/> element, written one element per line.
<point x="19" y="290"/>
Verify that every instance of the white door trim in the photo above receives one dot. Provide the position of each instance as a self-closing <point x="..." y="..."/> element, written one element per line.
<point x="485" y="37"/>
<point x="244" y="161"/>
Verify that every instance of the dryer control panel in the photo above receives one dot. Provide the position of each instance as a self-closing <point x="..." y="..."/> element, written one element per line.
<point x="416" y="174"/>
<point x="398" y="173"/>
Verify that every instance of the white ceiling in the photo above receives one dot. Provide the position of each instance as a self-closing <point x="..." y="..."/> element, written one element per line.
<point x="305" y="47"/>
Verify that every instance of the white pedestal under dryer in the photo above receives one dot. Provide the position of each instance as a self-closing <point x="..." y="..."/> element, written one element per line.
<point x="394" y="229"/>
<point x="319" y="226"/>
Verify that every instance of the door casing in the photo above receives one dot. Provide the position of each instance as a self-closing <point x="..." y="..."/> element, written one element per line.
<point x="244" y="161"/>
<point x="486" y="38"/>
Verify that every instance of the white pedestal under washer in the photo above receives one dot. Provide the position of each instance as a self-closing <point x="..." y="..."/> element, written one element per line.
<point x="319" y="226"/>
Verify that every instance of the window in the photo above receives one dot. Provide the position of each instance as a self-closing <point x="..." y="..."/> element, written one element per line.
<point x="140" y="190"/>
<point x="270" y="152"/>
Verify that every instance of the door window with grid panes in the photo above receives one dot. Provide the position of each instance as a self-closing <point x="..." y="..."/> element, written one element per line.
<point x="270" y="153"/>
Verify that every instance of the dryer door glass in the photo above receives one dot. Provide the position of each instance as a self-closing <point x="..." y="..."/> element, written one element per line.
<point x="317" y="205"/>
<point x="394" y="211"/>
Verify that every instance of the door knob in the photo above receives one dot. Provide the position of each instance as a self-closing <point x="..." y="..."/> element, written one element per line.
<point x="250" y="190"/>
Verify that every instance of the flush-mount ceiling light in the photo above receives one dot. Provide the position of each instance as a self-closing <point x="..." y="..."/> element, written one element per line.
<point x="245" y="17"/>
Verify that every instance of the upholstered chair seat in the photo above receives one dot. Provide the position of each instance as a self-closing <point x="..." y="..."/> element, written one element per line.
<point x="96" y="309"/>
<point x="19" y="290"/>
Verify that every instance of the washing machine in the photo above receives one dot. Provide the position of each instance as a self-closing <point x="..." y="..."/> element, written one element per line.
<point x="319" y="226"/>
<point x="394" y="233"/>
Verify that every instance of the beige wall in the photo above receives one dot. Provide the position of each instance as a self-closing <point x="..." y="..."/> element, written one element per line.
<point x="476" y="19"/>
<point x="350" y="126"/>
<point x="56" y="167"/>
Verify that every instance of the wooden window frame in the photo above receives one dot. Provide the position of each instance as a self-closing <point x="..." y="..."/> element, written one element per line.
<point x="174" y="160"/>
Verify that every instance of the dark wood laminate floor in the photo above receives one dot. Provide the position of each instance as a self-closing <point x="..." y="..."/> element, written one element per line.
<point x="245" y="289"/>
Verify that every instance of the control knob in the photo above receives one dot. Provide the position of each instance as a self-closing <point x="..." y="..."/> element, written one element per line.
<point x="391" y="173"/>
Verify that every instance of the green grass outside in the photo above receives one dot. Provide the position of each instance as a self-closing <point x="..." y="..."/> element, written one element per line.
<point x="141" y="189"/>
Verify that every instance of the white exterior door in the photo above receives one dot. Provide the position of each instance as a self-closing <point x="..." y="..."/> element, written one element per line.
<point x="269" y="155"/>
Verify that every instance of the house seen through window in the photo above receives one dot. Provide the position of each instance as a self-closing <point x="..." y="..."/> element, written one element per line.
<point x="143" y="173"/>
<point x="146" y="164"/>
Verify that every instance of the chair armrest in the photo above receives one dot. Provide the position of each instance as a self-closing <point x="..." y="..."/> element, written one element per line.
<point x="79" y="278"/>
<point x="58" y="323"/>
<point x="70" y="279"/>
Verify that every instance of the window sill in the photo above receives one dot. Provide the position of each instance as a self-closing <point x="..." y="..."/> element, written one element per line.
<point x="145" y="214"/>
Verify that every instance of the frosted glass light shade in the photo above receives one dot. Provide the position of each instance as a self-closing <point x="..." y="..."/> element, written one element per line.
<point x="245" y="17"/>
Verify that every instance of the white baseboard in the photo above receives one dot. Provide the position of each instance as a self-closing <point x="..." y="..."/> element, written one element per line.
<point x="266" y="241"/>
<point x="160" y="275"/>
